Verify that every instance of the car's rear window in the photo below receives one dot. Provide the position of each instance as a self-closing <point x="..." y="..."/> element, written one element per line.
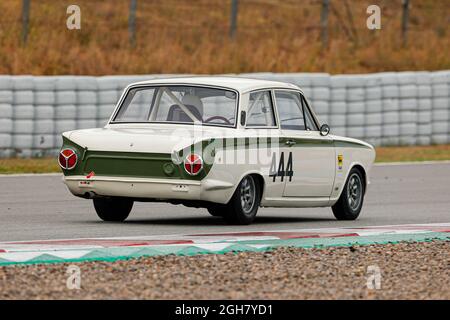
<point x="179" y="104"/>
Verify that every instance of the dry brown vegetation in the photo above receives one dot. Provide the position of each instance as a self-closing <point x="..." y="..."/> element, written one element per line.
<point x="176" y="36"/>
<point x="414" y="153"/>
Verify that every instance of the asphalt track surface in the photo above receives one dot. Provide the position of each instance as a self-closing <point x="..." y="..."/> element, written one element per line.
<point x="40" y="207"/>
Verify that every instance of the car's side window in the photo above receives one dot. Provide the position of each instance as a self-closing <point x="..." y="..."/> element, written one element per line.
<point x="293" y="111"/>
<point x="260" y="110"/>
<point x="290" y="110"/>
<point x="310" y="123"/>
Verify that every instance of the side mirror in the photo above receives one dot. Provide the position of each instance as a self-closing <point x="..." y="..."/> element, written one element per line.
<point x="324" y="129"/>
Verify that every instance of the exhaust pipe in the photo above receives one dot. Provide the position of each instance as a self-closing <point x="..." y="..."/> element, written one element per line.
<point x="90" y="195"/>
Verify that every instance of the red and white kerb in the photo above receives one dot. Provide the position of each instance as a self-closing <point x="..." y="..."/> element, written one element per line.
<point x="67" y="159"/>
<point x="193" y="164"/>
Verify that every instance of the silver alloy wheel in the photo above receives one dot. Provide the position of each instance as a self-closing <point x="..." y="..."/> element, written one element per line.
<point x="354" y="191"/>
<point x="248" y="194"/>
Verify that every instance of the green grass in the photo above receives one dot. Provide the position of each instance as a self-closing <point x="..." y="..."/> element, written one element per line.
<point x="384" y="154"/>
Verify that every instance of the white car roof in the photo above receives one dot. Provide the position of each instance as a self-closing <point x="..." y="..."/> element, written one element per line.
<point x="236" y="83"/>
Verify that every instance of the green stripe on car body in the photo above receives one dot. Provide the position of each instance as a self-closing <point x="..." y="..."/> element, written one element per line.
<point x="350" y="144"/>
<point x="160" y="165"/>
<point x="270" y="142"/>
<point x="306" y="143"/>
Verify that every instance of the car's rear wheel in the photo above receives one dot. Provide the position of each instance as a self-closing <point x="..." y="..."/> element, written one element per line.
<point x="113" y="209"/>
<point x="244" y="203"/>
<point x="351" y="200"/>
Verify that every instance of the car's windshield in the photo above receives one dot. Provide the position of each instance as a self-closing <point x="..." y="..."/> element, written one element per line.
<point x="179" y="104"/>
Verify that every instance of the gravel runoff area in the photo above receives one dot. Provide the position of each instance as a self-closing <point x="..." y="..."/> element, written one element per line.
<point x="408" y="271"/>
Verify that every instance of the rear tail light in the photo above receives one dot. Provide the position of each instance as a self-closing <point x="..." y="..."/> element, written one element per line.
<point x="193" y="164"/>
<point x="67" y="159"/>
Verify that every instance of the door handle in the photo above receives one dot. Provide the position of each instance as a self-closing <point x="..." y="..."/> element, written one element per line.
<point x="290" y="142"/>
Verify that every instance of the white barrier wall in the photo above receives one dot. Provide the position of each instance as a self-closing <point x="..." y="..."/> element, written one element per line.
<point x="403" y="108"/>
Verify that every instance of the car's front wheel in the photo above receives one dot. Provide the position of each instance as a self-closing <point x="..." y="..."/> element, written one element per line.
<point x="351" y="200"/>
<point x="244" y="203"/>
<point x="113" y="209"/>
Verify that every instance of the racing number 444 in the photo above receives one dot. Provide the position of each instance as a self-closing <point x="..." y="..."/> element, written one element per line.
<point x="280" y="170"/>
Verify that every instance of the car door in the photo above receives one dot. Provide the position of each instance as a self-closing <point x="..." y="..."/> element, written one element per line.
<point x="307" y="158"/>
<point x="261" y="122"/>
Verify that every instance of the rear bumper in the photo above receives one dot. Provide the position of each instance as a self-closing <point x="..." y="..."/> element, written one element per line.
<point x="179" y="189"/>
<point x="134" y="187"/>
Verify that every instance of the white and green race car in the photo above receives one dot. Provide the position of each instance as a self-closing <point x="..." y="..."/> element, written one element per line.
<point x="227" y="144"/>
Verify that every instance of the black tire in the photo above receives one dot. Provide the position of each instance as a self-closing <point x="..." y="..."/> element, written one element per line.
<point x="113" y="209"/>
<point x="344" y="208"/>
<point x="235" y="212"/>
<point x="217" y="210"/>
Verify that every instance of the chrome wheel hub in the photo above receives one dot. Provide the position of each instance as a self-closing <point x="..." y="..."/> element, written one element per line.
<point x="354" y="191"/>
<point x="248" y="194"/>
